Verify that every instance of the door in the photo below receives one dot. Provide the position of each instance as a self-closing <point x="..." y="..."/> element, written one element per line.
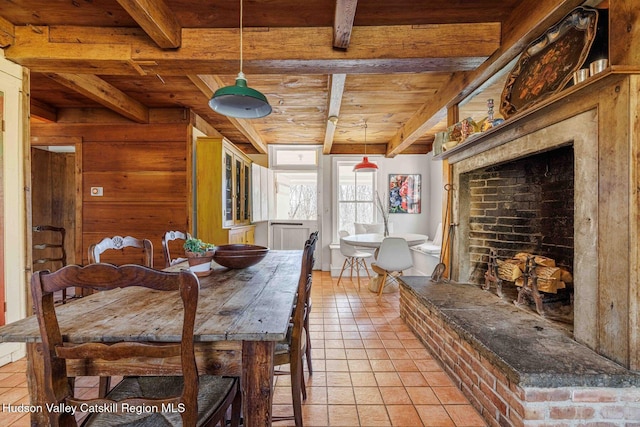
<point x="291" y="235"/>
<point x="296" y="209"/>
<point x="12" y="206"/>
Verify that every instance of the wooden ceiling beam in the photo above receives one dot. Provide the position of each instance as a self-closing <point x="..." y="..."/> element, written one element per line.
<point x="522" y="27"/>
<point x="336" y="90"/>
<point x="104" y="93"/>
<point x="156" y="19"/>
<point x="208" y="84"/>
<point x="7" y="35"/>
<point x="305" y="50"/>
<point x="42" y="111"/>
<point x="343" y="22"/>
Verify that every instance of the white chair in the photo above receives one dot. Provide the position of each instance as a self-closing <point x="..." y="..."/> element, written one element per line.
<point x="352" y="258"/>
<point x="375" y="228"/>
<point x="394" y="256"/>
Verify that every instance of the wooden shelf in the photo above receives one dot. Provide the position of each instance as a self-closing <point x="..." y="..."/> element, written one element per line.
<point x="510" y="129"/>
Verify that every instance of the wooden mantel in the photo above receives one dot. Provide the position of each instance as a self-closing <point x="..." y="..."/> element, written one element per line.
<point x="600" y="119"/>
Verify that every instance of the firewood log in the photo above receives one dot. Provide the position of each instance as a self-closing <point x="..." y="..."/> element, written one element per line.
<point x="566" y="276"/>
<point x="538" y="259"/>
<point x="543" y="260"/>
<point x="548" y="279"/>
<point x="509" y="270"/>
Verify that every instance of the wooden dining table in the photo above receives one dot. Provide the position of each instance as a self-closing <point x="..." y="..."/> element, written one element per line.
<point x="241" y="316"/>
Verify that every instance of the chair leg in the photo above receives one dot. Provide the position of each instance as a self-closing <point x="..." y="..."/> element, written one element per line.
<point x="365" y="267"/>
<point x="308" y="349"/>
<point x="296" y="392"/>
<point x="382" y="283"/>
<point x="236" y="408"/>
<point x="344" y="265"/>
<point x="357" y="262"/>
<point x="104" y="386"/>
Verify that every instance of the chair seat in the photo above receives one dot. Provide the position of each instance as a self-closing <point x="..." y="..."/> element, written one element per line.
<point x="361" y="254"/>
<point x="212" y="392"/>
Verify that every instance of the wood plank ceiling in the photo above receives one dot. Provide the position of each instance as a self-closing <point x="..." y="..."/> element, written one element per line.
<point x="326" y="66"/>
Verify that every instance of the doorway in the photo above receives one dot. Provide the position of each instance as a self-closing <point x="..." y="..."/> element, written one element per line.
<point x="53" y="193"/>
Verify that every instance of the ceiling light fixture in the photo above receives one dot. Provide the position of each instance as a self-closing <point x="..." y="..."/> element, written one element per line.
<point x="365" y="165"/>
<point x="240" y="101"/>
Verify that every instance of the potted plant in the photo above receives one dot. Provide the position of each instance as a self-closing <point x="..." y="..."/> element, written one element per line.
<point x="199" y="255"/>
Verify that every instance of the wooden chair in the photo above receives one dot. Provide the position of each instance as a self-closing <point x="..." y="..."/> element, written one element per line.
<point x="313" y="239"/>
<point x="119" y="243"/>
<point x="170" y="236"/>
<point x="353" y="258"/>
<point x="206" y="398"/>
<point x="292" y="350"/>
<point x="48" y="251"/>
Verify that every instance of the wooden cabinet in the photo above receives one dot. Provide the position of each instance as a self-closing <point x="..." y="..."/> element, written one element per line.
<point x="223" y="193"/>
<point x="244" y="234"/>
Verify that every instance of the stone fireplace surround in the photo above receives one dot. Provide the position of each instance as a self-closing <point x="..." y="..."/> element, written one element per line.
<point x="600" y="120"/>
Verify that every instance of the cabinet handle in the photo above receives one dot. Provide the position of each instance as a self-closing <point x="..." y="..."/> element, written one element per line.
<point x="287" y="223"/>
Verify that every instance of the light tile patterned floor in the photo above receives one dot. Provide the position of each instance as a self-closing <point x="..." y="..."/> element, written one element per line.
<point x="369" y="369"/>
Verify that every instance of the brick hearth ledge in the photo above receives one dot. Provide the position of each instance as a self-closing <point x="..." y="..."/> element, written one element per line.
<point x="517" y="368"/>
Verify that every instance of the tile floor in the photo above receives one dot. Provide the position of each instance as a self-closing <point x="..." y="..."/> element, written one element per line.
<point x="369" y="369"/>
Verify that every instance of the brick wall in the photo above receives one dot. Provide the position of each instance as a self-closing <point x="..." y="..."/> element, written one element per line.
<point x="522" y="206"/>
<point x="499" y="398"/>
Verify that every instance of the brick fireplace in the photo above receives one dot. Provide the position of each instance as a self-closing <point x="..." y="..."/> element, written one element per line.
<point x="580" y="153"/>
<point x="525" y="205"/>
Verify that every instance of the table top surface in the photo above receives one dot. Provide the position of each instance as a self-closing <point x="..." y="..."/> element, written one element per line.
<point x="374" y="240"/>
<point x="250" y="304"/>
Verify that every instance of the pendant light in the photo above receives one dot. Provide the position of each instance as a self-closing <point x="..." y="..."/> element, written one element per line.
<point x="240" y="101"/>
<point x="365" y="165"/>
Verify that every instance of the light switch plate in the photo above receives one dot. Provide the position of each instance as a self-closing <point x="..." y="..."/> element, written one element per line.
<point x="96" y="191"/>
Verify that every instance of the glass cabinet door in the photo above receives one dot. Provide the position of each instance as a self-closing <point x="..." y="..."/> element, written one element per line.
<point x="238" y="190"/>
<point x="228" y="189"/>
<point x="246" y="208"/>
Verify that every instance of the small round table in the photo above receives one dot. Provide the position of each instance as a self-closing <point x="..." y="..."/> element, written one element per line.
<point x="374" y="240"/>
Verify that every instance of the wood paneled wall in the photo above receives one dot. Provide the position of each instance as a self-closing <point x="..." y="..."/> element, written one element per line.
<point x="143" y="172"/>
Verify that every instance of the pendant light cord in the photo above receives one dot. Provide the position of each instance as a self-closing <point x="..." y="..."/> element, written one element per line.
<point x="241" y="35"/>
<point x="365" y="137"/>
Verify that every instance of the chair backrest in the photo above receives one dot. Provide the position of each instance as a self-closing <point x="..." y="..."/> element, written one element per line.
<point x="106" y="277"/>
<point x="394" y="254"/>
<point x="359" y="228"/>
<point x="302" y="297"/>
<point x="437" y="239"/>
<point x="119" y="243"/>
<point x="346" y="249"/>
<point x="377" y="228"/>
<point x="170" y="236"/>
<point x="48" y="247"/>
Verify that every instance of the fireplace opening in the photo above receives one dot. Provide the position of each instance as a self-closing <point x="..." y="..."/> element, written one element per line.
<point x="519" y="210"/>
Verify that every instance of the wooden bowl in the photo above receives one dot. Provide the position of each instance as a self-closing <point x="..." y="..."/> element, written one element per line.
<point x="239" y="255"/>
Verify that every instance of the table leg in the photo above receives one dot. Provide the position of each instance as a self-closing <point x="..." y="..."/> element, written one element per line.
<point x="35" y="383"/>
<point x="257" y="382"/>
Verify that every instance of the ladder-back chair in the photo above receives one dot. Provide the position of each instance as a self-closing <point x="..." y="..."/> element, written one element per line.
<point x="49" y="252"/>
<point x="206" y="398"/>
<point x="294" y="348"/>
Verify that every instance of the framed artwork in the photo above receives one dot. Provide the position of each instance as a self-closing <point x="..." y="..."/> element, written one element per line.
<point x="548" y="63"/>
<point x="405" y="193"/>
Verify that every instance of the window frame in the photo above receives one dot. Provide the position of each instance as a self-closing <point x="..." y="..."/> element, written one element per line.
<point x="337" y="163"/>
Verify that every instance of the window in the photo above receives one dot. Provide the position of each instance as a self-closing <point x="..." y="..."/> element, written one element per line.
<point x="296" y="195"/>
<point x="355" y="196"/>
<point x="295" y="180"/>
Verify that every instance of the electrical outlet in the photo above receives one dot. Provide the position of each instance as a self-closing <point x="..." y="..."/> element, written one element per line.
<point x="96" y="191"/>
